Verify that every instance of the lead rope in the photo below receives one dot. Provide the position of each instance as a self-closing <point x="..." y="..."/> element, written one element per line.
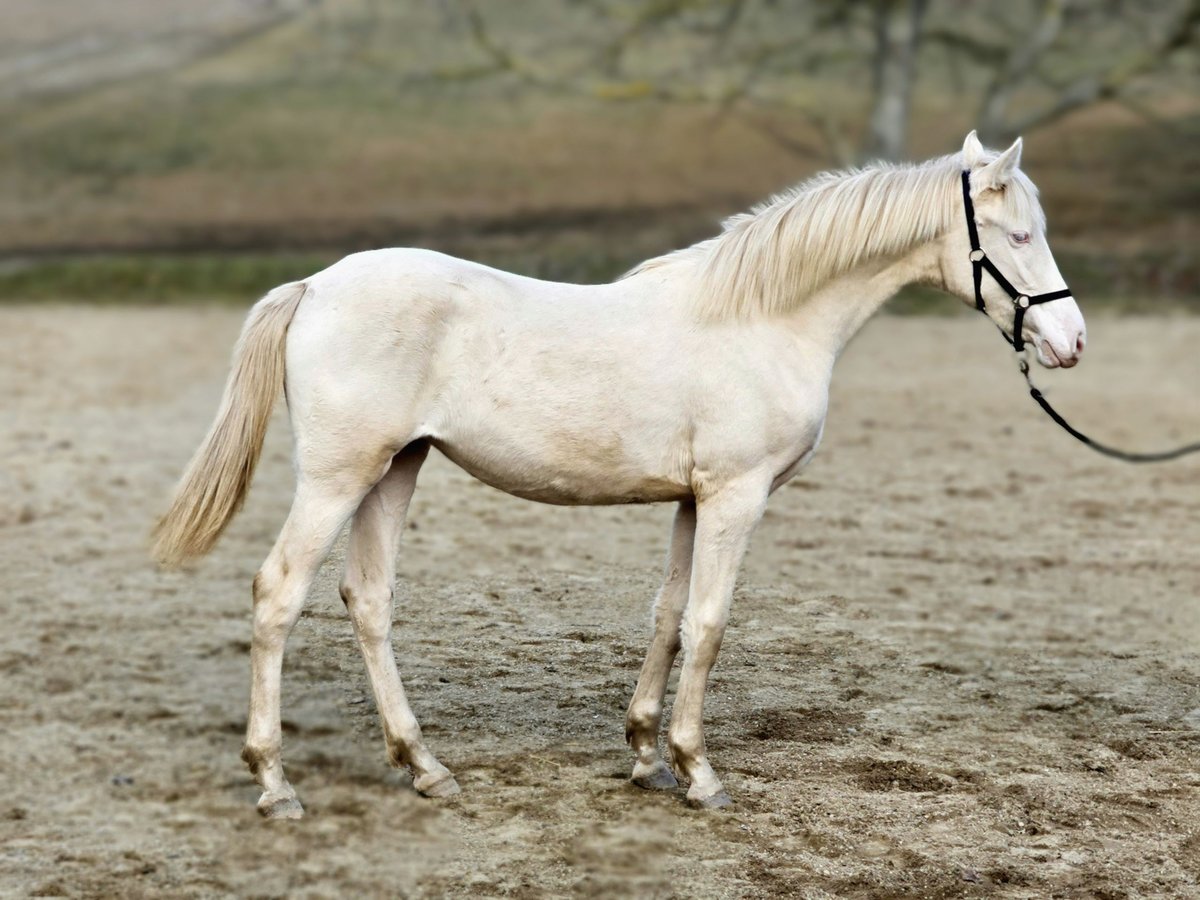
<point x="1021" y="302"/>
<point x="1113" y="452"/>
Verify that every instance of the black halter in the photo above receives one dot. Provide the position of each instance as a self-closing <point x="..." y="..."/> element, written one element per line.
<point x="1022" y="302"/>
<point x="980" y="261"/>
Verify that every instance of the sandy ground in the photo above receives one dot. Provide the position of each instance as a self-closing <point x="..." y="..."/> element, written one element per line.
<point x="962" y="659"/>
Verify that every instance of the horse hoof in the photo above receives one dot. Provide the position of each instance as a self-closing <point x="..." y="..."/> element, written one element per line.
<point x="658" y="778"/>
<point x="719" y="800"/>
<point x="286" y="807"/>
<point x="436" y="786"/>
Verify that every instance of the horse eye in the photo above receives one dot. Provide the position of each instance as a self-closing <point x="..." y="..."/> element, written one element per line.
<point x="1021" y="237"/>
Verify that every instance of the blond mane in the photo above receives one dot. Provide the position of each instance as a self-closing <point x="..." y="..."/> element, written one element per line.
<point x="769" y="260"/>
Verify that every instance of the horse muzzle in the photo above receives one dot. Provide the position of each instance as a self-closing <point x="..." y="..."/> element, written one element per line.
<point x="1066" y="355"/>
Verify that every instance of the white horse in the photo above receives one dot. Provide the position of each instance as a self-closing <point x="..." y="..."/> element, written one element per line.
<point x="700" y="378"/>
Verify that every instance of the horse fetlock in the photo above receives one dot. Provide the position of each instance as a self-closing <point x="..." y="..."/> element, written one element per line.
<point x="642" y="723"/>
<point x="706" y="790"/>
<point x="686" y="747"/>
<point x="257" y="757"/>
<point x="398" y="752"/>
<point x="265" y="764"/>
<point x="644" y="744"/>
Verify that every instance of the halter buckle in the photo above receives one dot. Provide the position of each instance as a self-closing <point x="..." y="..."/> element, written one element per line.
<point x="976" y="256"/>
<point x="1022" y="301"/>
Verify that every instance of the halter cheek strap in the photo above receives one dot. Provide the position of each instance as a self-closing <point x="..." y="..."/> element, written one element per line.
<point x="980" y="262"/>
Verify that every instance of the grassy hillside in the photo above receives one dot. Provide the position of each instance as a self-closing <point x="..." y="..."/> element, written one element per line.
<point x="220" y="149"/>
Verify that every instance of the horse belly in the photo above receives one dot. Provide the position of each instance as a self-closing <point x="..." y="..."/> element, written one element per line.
<point x="566" y="469"/>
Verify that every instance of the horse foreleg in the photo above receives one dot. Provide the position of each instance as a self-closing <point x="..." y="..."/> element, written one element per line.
<point x="724" y="523"/>
<point x="367" y="591"/>
<point x="646" y="708"/>
<point x="318" y="513"/>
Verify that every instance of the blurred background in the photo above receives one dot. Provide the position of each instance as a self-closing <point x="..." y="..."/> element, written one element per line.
<point x="963" y="656"/>
<point x="168" y="150"/>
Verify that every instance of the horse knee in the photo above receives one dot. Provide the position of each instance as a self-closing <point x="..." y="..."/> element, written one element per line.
<point x="702" y="632"/>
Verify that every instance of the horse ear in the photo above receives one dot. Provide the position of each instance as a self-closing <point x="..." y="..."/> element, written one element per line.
<point x="999" y="171"/>
<point x="972" y="150"/>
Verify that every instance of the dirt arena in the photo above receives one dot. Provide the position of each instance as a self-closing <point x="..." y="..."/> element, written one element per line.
<point x="962" y="659"/>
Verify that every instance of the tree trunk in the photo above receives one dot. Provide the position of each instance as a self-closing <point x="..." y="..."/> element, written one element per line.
<point x="897" y="37"/>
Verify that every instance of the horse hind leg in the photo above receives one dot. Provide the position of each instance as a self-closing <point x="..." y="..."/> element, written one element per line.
<point x="367" y="592"/>
<point x="319" y="511"/>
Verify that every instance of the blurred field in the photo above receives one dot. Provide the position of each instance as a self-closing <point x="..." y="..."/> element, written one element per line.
<point x="219" y="150"/>
<point x="962" y="659"/>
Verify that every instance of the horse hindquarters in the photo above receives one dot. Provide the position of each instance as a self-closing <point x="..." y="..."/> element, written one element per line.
<point x="350" y="416"/>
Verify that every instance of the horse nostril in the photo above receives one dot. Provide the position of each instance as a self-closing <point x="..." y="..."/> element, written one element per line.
<point x="1079" y="345"/>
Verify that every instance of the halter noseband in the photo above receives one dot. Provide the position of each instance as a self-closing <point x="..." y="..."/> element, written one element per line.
<point x="980" y="261"/>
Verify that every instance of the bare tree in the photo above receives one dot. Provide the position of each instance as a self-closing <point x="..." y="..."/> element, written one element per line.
<point x="1027" y="62"/>
<point x="1169" y="32"/>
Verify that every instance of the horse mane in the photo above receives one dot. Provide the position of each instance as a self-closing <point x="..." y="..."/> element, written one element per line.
<point x="769" y="260"/>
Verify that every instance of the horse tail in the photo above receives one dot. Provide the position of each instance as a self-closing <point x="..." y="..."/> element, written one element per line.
<point x="215" y="482"/>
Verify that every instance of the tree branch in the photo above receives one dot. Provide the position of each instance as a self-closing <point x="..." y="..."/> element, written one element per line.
<point x="1183" y="32"/>
<point x="1020" y="61"/>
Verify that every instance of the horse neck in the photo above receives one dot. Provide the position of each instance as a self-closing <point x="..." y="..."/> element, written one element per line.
<point x="833" y="314"/>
